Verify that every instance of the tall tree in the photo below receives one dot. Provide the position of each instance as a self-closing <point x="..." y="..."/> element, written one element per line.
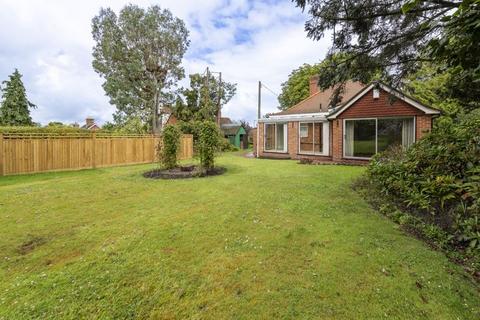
<point x="297" y="87"/>
<point x="15" y="107"/>
<point x="139" y="53"/>
<point x="202" y="100"/>
<point x="396" y="37"/>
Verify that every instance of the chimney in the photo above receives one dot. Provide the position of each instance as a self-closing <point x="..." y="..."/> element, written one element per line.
<point x="89" y="122"/>
<point x="314" y="85"/>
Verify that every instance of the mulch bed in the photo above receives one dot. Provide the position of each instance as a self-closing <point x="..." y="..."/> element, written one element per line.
<point x="183" y="172"/>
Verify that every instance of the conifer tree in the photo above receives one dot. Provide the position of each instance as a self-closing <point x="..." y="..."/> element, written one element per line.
<point x="15" y="107"/>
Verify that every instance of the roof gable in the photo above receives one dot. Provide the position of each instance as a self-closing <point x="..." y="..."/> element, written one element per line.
<point x="399" y="95"/>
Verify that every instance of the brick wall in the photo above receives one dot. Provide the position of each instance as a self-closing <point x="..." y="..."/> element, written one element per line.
<point x="366" y="107"/>
<point x="292" y="139"/>
<point x="337" y="139"/>
<point x="423" y="126"/>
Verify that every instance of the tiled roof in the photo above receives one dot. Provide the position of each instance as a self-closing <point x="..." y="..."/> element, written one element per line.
<point x="320" y="101"/>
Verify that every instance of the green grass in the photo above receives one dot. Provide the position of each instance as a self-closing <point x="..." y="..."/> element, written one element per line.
<point x="269" y="239"/>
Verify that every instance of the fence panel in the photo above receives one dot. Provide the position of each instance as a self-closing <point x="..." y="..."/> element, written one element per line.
<point x="36" y="152"/>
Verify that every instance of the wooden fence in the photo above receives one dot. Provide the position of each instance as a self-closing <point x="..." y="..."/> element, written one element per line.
<point x="40" y="152"/>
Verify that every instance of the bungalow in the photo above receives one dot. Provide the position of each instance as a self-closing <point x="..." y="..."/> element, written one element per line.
<point x="369" y="119"/>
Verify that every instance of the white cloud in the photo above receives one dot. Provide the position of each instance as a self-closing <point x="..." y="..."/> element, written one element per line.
<point x="50" y="43"/>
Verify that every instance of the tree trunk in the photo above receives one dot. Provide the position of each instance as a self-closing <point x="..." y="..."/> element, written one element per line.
<point x="155" y="126"/>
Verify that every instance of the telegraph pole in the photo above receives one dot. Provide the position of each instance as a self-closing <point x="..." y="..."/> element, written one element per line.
<point x="259" y="115"/>
<point x="207" y="94"/>
<point x="219" y="106"/>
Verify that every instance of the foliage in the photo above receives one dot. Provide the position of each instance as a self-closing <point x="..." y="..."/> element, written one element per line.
<point x="236" y="246"/>
<point x="202" y="101"/>
<point x="132" y="125"/>
<point x="395" y="38"/>
<point x="14" y="105"/>
<point x="297" y="87"/>
<point x="170" y="146"/>
<point x="208" y="144"/>
<point x="437" y="179"/>
<point x="431" y="88"/>
<point x="48" y="129"/>
<point x="246" y="125"/>
<point x="139" y="53"/>
<point x="57" y="124"/>
<point x="225" y="145"/>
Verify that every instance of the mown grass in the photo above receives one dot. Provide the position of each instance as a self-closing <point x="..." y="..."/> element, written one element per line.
<point x="269" y="239"/>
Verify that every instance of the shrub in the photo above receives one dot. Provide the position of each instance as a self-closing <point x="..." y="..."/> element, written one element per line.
<point x="226" y="146"/>
<point x="208" y="144"/>
<point x="437" y="180"/>
<point x="170" y="146"/>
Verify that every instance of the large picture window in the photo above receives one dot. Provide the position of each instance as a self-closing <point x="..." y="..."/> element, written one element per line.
<point x="276" y="137"/>
<point x="311" y="137"/>
<point x="365" y="137"/>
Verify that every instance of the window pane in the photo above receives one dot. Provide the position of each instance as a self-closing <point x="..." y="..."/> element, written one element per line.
<point x="389" y="133"/>
<point x="318" y="130"/>
<point x="306" y="137"/>
<point x="280" y="137"/>
<point x="269" y="136"/>
<point x="394" y="132"/>
<point x="360" y="138"/>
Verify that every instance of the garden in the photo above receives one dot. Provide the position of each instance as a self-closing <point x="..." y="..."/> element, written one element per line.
<point x="267" y="239"/>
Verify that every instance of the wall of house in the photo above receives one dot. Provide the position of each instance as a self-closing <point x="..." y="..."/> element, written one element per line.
<point x="368" y="107"/>
<point x="365" y="107"/>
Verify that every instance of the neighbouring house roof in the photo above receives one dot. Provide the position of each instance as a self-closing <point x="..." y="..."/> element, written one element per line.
<point x="414" y="103"/>
<point x="225" y="120"/>
<point x="90" y="124"/>
<point x="320" y="101"/>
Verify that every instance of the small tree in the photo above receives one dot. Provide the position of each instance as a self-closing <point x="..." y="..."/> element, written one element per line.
<point x="15" y="107"/>
<point x="208" y="144"/>
<point x="170" y="146"/>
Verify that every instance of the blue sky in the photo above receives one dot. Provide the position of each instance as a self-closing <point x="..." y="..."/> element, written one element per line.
<point x="50" y="43"/>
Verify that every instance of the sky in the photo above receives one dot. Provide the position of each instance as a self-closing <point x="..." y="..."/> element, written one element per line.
<point x="50" y="42"/>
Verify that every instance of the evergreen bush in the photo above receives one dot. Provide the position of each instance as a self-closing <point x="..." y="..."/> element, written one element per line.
<point x="170" y="146"/>
<point x="209" y="138"/>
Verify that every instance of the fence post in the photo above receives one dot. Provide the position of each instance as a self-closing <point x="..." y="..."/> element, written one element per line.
<point x="2" y="156"/>
<point x="94" y="139"/>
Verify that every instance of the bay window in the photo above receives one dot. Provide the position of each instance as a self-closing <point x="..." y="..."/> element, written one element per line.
<point x="365" y="137"/>
<point x="276" y="137"/>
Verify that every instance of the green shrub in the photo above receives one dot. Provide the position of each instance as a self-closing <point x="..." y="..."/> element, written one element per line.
<point x="436" y="180"/>
<point x="226" y="146"/>
<point x="170" y="146"/>
<point x="49" y="129"/>
<point x="209" y="139"/>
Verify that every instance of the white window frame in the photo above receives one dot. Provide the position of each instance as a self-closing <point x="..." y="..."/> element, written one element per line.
<point x="325" y="138"/>
<point x="376" y="133"/>
<point x="285" y="137"/>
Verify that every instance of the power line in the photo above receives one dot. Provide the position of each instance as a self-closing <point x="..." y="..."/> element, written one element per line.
<point x="274" y="93"/>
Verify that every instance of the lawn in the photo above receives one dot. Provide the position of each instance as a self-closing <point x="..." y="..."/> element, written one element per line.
<point x="269" y="239"/>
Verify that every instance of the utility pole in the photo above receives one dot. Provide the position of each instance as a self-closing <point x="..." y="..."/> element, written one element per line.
<point x="207" y="93"/>
<point x="219" y="106"/>
<point x="259" y="115"/>
<point x="259" y="99"/>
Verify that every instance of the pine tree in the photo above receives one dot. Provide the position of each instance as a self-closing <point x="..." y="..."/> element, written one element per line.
<point x="15" y="107"/>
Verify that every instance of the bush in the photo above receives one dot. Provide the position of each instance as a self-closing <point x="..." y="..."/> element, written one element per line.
<point x="50" y="129"/>
<point x="437" y="180"/>
<point x="226" y="146"/>
<point x="170" y="146"/>
<point x="208" y="144"/>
